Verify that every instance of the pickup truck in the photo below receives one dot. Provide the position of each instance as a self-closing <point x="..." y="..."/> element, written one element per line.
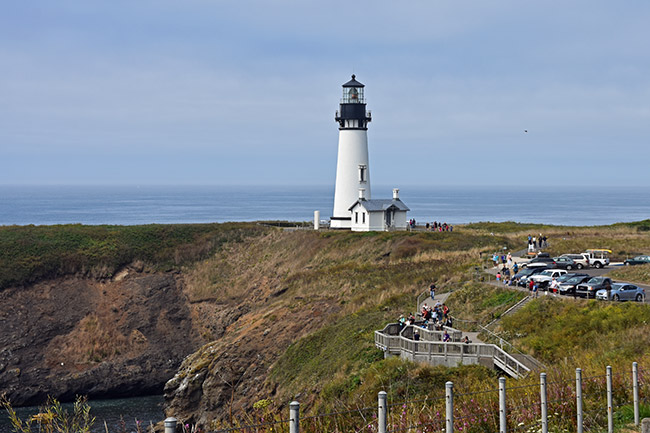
<point x="598" y="258"/>
<point x="589" y="289"/>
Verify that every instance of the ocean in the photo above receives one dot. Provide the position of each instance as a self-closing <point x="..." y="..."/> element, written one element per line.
<point x="130" y="205"/>
<point x="119" y="414"/>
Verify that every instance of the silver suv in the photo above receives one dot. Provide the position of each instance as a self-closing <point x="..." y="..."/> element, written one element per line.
<point x="581" y="260"/>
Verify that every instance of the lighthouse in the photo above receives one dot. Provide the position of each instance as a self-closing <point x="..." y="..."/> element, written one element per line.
<point x="352" y="168"/>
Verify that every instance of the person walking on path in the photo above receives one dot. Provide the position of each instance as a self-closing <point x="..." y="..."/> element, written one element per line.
<point x="554" y="287"/>
<point x="432" y="291"/>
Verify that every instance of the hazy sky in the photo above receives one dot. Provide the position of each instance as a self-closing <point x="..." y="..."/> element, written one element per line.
<point x="244" y="92"/>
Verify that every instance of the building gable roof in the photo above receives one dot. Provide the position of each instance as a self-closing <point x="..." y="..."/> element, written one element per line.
<point x="380" y="205"/>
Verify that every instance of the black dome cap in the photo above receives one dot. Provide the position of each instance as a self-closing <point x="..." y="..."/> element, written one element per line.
<point x="353" y="82"/>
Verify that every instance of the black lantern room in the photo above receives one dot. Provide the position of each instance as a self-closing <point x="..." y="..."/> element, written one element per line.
<point x="352" y="112"/>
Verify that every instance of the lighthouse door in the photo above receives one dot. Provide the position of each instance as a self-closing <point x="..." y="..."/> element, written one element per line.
<point x="389" y="218"/>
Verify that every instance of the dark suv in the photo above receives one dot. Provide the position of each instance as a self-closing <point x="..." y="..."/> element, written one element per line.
<point x="541" y="258"/>
<point x="568" y="286"/>
<point x="522" y="276"/>
<point x="589" y="289"/>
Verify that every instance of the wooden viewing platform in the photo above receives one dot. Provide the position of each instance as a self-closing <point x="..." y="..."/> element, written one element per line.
<point x="430" y="348"/>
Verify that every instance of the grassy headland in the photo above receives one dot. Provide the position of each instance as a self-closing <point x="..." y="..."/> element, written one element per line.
<point x="303" y="305"/>
<point x="32" y="253"/>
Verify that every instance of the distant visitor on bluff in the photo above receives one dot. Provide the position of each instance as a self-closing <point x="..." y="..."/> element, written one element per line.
<point x="353" y="207"/>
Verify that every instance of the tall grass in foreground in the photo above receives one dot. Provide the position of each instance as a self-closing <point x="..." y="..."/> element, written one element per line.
<point x="476" y="406"/>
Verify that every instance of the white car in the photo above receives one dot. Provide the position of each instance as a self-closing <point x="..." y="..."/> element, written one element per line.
<point x="544" y="278"/>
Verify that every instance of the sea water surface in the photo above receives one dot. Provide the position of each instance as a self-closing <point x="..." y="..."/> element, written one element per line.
<point x="118" y="414"/>
<point x="129" y="205"/>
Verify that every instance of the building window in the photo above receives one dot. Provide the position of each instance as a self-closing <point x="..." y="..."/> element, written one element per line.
<point x="363" y="173"/>
<point x="356" y="217"/>
<point x="363" y="217"/>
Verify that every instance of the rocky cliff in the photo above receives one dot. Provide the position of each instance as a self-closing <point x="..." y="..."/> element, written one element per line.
<point x="102" y="338"/>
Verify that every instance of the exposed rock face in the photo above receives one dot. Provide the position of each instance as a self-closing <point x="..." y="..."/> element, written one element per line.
<point x="120" y="337"/>
<point x="228" y="375"/>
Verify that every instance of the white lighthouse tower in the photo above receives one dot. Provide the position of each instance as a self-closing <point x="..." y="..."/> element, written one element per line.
<point x="352" y="169"/>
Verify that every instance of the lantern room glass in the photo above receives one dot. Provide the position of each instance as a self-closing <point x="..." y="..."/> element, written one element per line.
<point x="353" y="95"/>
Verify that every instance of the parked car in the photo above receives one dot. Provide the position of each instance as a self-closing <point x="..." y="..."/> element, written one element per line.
<point x="568" y="286"/>
<point x="622" y="292"/>
<point x="522" y="276"/>
<point x="545" y="277"/>
<point x="638" y="260"/>
<point x="541" y="258"/>
<point x="569" y="275"/>
<point x="539" y="265"/>
<point x="564" y="263"/>
<point x="581" y="260"/>
<point x="598" y="258"/>
<point x="589" y="289"/>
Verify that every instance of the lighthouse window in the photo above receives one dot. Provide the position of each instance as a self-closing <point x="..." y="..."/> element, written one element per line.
<point x="356" y="217"/>
<point x="362" y="173"/>
<point x="353" y="95"/>
<point x="363" y="217"/>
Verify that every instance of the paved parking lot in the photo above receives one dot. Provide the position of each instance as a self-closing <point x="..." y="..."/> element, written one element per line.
<point x="590" y="271"/>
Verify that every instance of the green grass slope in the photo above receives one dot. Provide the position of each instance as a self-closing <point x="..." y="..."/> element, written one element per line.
<point x="32" y="253"/>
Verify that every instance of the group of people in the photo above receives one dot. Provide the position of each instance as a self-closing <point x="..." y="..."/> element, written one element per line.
<point x="537" y="242"/>
<point x="434" y="226"/>
<point x="553" y="287"/>
<point x="439" y="227"/>
<point x="436" y="315"/>
<point x="507" y="268"/>
<point x="445" y="337"/>
<point x="505" y="259"/>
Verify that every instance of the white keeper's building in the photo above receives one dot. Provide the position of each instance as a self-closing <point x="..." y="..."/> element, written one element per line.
<point x="354" y="209"/>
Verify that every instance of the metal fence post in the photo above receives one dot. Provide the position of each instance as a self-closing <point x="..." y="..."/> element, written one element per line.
<point x="579" y="399"/>
<point x="544" y="404"/>
<point x="502" y="405"/>
<point x="170" y="425"/>
<point x="610" y="405"/>
<point x="635" y="389"/>
<point x="382" y="412"/>
<point x="449" y="394"/>
<point x="294" y="417"/>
